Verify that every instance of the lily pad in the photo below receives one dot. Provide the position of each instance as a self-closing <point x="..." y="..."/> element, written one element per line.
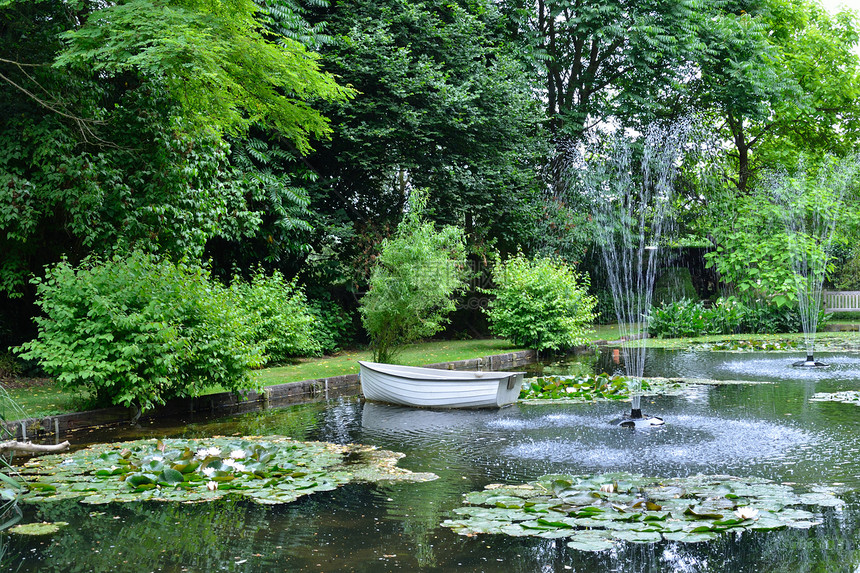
<point x="38" y="528"/>
<point x="593" y="516"/>
<point x="591" y="542"/>
<point x="273" y="470"/>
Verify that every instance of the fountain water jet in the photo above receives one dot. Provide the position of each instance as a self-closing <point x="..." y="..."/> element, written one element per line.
<point x="809" y="210"/>
<point x="632" y="216"/>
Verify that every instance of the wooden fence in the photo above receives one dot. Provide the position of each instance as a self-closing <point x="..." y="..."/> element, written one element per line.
<point x="841" y="301"/>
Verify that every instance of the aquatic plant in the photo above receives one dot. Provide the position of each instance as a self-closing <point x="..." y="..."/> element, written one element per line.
<point x="273" y="470"/>
<point x="580" y="388"/>
<point x="597" y="511"/>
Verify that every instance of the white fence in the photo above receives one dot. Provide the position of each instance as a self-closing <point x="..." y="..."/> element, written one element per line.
<point x="841" y="300"/>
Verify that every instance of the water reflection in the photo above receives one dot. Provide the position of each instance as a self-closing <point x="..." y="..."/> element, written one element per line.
<point x="767" y="430"/>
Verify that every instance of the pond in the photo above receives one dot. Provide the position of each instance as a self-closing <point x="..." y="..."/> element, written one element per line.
<point x="770" y="430"/>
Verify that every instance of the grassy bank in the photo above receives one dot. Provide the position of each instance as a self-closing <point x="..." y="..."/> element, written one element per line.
<point x="346" y="362"/>
<point x="40" y="397"/>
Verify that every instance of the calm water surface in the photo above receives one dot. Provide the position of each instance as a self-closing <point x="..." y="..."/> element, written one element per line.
<point x="770" y="430"/>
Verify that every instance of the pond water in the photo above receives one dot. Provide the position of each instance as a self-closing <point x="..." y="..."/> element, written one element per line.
<point x="767" y="430"/>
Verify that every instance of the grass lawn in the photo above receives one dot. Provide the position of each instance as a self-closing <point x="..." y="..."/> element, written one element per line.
<point x="36" y="398"/>
<point x="346" y="362"/>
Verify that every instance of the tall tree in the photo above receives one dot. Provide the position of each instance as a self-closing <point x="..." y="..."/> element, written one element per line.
<point x="613" y="60"/>
<point x="783" y="79"/>
<point x="443" y="104"/>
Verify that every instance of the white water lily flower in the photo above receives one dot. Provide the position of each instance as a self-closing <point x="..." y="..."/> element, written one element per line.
<point x="746" y="512"/>
<point x="209" y="472"/>
<point x="607" y="488"/>
<point x="239" y="467"/>
<point x="204" y="453"/>
<point x="156" y="458"/>
<point x="237" y="454"/>
<point x="212" y="485"/>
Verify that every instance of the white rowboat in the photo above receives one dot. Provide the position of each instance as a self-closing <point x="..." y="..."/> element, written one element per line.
<point x="432" y="388"/>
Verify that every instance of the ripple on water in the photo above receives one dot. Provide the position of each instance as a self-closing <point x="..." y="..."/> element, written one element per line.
<point x="688" y="444"/>
<point x="762" y="366"/>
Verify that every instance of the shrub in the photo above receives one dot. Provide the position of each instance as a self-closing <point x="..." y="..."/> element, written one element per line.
<point x="541" y="304"/>
<point x="678" y="319"/>
<point x="332" y="327"/>
<point x="688" y="318"/>
<point x="412" y="286"/>
<point x="137" y="331"/>
<point x="282" y="321"/>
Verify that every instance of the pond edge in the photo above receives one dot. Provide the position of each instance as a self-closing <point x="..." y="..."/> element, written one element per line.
<point x="54" y="427"/>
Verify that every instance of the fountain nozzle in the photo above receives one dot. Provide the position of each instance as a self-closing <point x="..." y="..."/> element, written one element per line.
<point x="810" y="362"/>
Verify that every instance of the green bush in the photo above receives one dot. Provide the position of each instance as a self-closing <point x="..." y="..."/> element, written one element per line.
<point x="418" y="272"/>
<point x="678" y="319"/>
<point x="332" y="327"/>
<point x="283" y="322"/>
<point x="541" y="304"/>
<point x="138" y="331"/>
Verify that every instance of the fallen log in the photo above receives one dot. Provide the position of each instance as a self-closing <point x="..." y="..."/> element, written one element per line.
<point x="15" y="446"/>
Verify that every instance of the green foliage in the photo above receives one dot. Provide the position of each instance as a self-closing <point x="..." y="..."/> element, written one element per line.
<point x="763" y="75"/>
<point x="847" y="275"/>
<point x="418" y="272"/>
<point x="137" y="331"/>
<point x="687" y="318"/>
<point x="114" y="133"/>
<point x="282" y="321"/>
<point x="541" y="304"/>
<point x="605" y="308"/>
<point x="679" y="319"/>
<point x="445" y="106"/>
<point x="332" y="326"/>
<point x="750" y="253"/>
<point x="225" y="70"/>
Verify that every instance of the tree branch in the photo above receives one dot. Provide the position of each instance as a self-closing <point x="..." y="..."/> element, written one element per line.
<point x="14" y="446"/>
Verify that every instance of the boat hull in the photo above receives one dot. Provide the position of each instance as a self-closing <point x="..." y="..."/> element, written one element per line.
<point x="431" y="388"/>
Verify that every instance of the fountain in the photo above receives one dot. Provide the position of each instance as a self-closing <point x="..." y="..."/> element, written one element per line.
<point x="809" y="211"/>
<point x="632" y="222"/>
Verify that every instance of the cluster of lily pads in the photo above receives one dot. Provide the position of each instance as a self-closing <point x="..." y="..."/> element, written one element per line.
<point x="273" y="470"/>
<point x="751" y="345"/>
<point x="847" y="397"/>
<point x="596" y="511"/>
<point x="585" y="388"/>
<point x="601" y="387"/>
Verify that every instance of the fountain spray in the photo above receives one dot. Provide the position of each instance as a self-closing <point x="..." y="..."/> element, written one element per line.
<point x="633" y="221"/>
<point x="810" y="208"/>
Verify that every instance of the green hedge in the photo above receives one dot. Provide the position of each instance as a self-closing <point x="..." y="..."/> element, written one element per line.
<point x="689" y="318"/>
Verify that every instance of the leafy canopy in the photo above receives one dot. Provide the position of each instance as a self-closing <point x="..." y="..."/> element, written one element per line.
<point x="224" y="69"/>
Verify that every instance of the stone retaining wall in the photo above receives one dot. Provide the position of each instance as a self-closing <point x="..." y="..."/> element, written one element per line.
<point x="52" y="427"/>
